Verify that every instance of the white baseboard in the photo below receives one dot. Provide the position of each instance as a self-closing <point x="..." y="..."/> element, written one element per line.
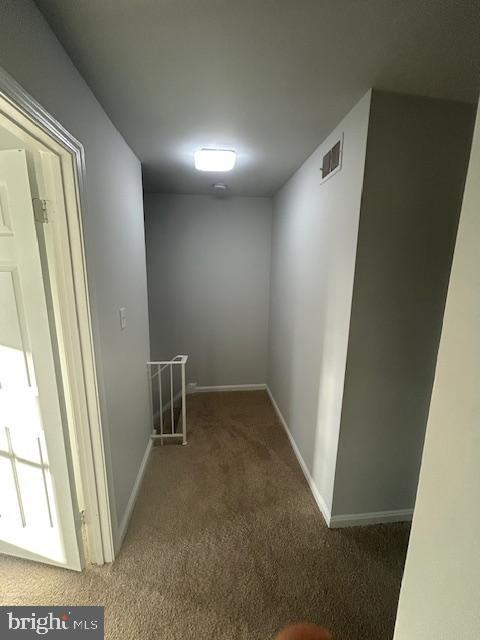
<point x="230" y="387"/>
<point x="347" y="520"/>
<point x="122" y="530"/>
<point x="376" y="517"/>
<point x="324" y="510"/>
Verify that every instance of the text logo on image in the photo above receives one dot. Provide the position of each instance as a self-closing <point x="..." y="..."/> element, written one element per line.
<point x="61" y="622"/>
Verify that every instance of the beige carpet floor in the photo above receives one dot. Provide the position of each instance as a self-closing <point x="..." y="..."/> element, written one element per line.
<point x="227" y="543"/>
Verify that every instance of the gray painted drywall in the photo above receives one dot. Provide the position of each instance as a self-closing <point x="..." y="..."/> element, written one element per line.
<point x="314" y="240"/>
<point x="114" y="236"/>
<point x="440" y="589"/>
<point x="417" y="154"/>
<point x="208" y="263"/>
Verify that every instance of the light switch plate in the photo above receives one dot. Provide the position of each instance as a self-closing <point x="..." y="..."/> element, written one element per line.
<point x="123" y="317"/>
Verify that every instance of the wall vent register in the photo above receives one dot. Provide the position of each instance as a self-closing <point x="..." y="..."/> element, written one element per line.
<point x="332" y="160"/>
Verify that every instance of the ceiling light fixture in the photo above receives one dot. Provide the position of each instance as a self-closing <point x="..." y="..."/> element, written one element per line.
<point x="215" y="159"/>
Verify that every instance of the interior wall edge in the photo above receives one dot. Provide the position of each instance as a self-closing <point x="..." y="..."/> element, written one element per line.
<point x="315" y="233"/>
<point x="416" y="162"/>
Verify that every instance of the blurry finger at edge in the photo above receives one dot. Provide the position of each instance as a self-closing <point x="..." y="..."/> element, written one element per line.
<point x="304" y="631"/>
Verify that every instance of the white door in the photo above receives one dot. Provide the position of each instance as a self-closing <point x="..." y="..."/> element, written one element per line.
<point x="38" y="517"/>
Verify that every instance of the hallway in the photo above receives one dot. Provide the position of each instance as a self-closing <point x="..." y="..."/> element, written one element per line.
<point x="227" y="542"/>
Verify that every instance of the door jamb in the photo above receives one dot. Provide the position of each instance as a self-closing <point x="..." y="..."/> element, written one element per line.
<point x="30" y="116"/>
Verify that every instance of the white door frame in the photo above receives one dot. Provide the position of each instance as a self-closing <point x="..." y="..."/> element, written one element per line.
<point x="68" y="251"/>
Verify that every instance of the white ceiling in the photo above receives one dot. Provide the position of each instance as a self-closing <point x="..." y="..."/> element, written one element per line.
<point x="269" y="78"/>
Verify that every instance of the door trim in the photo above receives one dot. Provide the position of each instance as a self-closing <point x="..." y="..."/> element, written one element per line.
<point x="25" y="112"/>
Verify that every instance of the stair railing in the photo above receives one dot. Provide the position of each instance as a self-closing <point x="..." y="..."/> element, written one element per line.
<point x="155" y="370"/>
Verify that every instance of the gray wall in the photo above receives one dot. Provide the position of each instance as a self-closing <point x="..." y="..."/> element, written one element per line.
<point x="417" y="155"/>
<point x="208" y="263"/>
<point x="314" y="240"/>
<point x="114" y="236"/>
<point x="440" y="588"/>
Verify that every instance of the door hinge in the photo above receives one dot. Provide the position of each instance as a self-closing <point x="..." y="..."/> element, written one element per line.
<point x="40" y="210"/>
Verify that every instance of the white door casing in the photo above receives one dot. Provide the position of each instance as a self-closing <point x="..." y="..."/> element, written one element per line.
<point x="39" y="518"/>
<point x="63" y="183"/>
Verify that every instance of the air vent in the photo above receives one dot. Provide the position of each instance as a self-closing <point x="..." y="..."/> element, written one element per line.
<point x="332" y="160"/>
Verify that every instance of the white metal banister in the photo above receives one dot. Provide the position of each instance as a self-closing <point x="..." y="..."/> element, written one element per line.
<point x="155" y="369"/>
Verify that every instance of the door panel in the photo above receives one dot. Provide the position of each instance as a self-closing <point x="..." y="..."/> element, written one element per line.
<point x="38" y="516"/>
